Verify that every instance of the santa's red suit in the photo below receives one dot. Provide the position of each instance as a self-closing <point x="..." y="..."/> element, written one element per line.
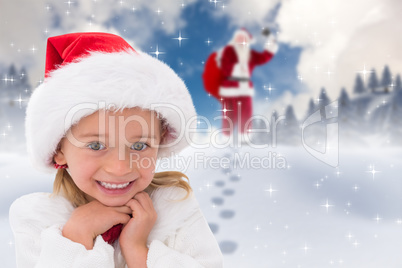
<point x="236" y="89"/>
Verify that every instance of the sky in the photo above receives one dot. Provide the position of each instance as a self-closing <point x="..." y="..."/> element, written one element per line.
<point x="322" y="43"/>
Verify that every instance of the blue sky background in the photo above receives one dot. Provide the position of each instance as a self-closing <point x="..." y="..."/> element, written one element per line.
<point x="322" y="43"/>
<point x="188" y="58"/>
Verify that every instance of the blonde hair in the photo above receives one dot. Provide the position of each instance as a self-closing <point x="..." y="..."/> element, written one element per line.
<point x="64" y="184"/>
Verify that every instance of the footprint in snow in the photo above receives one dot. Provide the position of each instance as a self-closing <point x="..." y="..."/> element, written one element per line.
<point x="234" y="178"/>
<point x="219" y="183"/>
<point x="227" y="214"/>
<point x="228" y="192"/>
<point x="228" y="247"/>
<point x="214" y="227"/>
<point x="217" y="201"/>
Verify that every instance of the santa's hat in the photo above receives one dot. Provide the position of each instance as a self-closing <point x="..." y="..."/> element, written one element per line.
<point x="86" y="72"/>
<point x="243" y="32"/>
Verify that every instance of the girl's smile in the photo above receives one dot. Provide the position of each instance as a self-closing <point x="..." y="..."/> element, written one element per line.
<point x="114" y="188"/>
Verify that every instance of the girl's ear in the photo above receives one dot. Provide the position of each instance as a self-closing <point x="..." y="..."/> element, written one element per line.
<point x="59" y="157"/>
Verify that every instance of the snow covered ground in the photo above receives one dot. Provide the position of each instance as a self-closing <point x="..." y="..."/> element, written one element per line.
<point x="273" y="207"/>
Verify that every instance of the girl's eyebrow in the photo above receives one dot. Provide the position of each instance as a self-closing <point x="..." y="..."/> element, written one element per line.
<point x="91" y="135"/>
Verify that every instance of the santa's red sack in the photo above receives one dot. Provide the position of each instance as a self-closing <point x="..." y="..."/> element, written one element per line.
<point x="212" y="76"/>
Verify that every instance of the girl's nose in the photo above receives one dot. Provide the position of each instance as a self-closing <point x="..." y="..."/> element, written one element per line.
<point x="119" y="166"/>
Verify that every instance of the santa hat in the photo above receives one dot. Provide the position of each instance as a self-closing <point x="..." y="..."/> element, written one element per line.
<point x="244" y="32"/>
<point x="86" y="72"/>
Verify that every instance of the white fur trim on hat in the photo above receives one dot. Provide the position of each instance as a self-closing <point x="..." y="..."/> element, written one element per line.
<point x="242" y="32"/>
<point x="124" y="79"/>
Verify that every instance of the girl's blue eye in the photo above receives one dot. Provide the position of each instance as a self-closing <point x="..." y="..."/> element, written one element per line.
<point x="96" y="146"/>
<point x="139" y="146"/>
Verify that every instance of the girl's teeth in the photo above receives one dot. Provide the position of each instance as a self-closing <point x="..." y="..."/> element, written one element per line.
<point x="114" y="186"/>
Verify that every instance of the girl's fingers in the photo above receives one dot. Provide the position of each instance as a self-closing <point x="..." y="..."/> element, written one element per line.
<point x="144" y="199"/>
<point x="121" y="218"/>
<point x="123" y="209"/>
<point x="136" y="207"/>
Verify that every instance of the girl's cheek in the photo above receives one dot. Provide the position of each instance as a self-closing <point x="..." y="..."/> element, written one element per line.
<point x="148" y="165"/>
<point x="84" y="168"/>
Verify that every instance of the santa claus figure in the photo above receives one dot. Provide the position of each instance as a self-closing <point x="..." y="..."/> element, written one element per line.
<point x="236" y="89"/>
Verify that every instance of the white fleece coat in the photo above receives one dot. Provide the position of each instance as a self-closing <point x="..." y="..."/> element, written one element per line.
<point x="180" y="238"/>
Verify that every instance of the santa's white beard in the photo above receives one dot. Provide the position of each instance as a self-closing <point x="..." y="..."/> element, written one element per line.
<point x="243" y="53"/>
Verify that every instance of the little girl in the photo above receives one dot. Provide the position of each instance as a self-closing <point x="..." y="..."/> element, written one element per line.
<point x="103" y="116"/>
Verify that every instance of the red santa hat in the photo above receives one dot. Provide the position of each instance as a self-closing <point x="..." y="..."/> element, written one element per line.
<point x="86" y="72"/>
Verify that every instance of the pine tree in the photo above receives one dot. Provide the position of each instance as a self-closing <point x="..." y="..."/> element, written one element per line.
<point x="12" y="72"/>
<point x="291" y="130"/>
<point x="373" y="81"/>
<point x="311" y="108"/>
<point x="398" y="83"/>
<point x="274" y="128"/>
<point x="324" y="100"/>
<point x="274" y="116"/>
<point x="343" y="98"/>
<point x="386" y="79"/>
<point x="344" y="106"/>
<point x="359" y="86"/>
<point x="24" y="78"/>
<point x="12" y="76"/>
<point x="290" y="116"/>
<point x="261" y="135"/>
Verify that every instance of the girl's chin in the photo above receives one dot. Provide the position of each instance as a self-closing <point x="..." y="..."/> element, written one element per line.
<point x="115" y="202"/>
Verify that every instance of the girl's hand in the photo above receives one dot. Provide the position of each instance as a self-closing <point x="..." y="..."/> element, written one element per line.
<point x="92" y="219"/>
<point x="133" y="238"/>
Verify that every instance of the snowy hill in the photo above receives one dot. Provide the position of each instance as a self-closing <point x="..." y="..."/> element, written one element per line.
<point x="363" y="120"/>
<point x="306" y="214"/>
<point x="274" y="208"/>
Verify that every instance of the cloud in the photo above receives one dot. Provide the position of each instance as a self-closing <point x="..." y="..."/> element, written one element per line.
<point x="338" y="38"/>
<point x="298" y="101"/>
<point x="27" y="24"/>
<point x="250" y="13"/>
